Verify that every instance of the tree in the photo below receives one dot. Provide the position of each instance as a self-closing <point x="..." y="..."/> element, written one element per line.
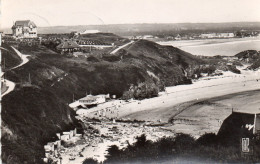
<point x="113" y="152"/>
<point x="141" y="141"/>
<point x="208" y="139"/>
<point x="184" y="143"/>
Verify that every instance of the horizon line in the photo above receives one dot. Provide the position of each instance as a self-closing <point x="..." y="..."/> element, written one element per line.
<point x="1" y="28"/>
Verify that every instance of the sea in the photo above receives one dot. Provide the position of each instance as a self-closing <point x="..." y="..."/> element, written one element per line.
<point x="212" y="47"/>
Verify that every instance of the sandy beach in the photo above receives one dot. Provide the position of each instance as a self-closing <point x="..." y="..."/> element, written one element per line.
<point x="193" y="109"/>
<point x="161" y="108"/>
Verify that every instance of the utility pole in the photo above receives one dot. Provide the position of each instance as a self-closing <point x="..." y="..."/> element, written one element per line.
<point x="30" y="82"/>
<point x="4" y="70"/>
<point x="4" y="64"/>
<point x="254" y="130"/>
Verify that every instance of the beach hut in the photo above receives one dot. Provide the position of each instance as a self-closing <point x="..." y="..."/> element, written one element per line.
<point x="65" y="137"/>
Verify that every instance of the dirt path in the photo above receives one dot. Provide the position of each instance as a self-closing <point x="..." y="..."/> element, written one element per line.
<point x="120" y="47"/>
<point x="9" y="84"/>
<point x="22" y="56"/>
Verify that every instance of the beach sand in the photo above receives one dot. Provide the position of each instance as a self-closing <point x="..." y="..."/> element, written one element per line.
<point x="193" y="109"/>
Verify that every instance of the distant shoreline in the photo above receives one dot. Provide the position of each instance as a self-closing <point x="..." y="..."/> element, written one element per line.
<point x="200" y="42"/>
<point x="212" y="47"/>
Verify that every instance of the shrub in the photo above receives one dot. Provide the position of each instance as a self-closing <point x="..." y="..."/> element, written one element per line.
<point x="184" y="142"/>
<point x="208" y="139"/>
<point x="141" y="91"/>
<point x="90" y="161"/>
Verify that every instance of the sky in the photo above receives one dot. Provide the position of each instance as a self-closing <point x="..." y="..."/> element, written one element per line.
<point x="87" y="12"/>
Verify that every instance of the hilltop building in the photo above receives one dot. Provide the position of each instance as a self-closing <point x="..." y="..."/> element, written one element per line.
<point x="24" y="29"/>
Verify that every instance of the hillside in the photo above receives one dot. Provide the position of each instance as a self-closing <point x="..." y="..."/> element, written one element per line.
<point x="32" y="113"/>
<point x="9" y="56"/>
<point x="107" y="73"/>
<point x="251" y="57"/>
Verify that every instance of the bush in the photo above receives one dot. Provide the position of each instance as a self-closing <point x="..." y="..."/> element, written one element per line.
<point x="233" y="69"/>
<point x="113" y="153"/>
<point x="90" y="161"/>
<point x="184" y="142"/>
<point x="141" y="141"/>
<point x="208" y="139"/>
<point x="141" y="91"/>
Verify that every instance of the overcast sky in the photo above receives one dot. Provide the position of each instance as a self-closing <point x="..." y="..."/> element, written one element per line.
<point x="84" y="12"/>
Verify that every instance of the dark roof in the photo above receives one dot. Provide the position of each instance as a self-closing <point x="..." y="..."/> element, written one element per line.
<point x="24" y="23"/>
<point x="68" y="44"/>
<point x="89" y="97"/>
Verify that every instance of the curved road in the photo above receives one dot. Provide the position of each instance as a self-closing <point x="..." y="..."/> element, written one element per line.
<point x="114" y="51"/>
<point x="10" y="84"/>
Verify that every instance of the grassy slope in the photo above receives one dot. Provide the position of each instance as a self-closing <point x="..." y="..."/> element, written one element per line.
<point x="31" y="115"/>
<point x="33" y="118"/>
<point x="10" y="57"/>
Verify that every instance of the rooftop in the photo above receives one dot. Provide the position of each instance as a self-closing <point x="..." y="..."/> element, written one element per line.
<point x="89" y="97"/>
<point x="24" y="23"/>
<point x="67" y="45"/>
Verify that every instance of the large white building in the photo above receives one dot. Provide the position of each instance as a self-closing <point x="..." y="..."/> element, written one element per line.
<point x="24" y="29"/>
<point x="218" y="35"/>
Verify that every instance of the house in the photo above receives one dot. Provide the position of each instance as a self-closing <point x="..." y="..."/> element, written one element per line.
<point x="226" y="35"/>
<point x="65" y="137"/>
<point x="24" y="29"/>
<point x="209" y="35"/>
<point x="92" y="100"/>
<point x="93" y="44"/>
<point x="240" y="124"/>
<point x="45" y="160"/>
<point x="58" y="143"/>
<point x="68" y="46"/>
<point x="89" y="101"/>
<point x="70" y="133"/>
<point x="178" y="37"/>
<point x="230" y="58"/>
<point x="47" y="148"/>
<point x="51" y="146"/>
